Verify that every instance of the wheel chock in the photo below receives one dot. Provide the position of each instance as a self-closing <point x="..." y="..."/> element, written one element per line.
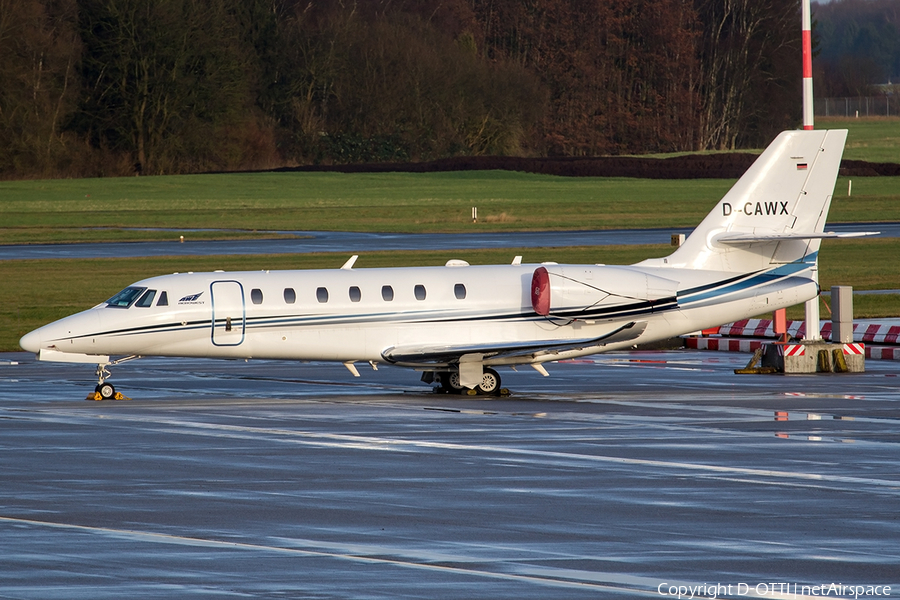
<point x="756" y="371"/>
<point x="504" y="392"/>
<point x="840" y="363"/>
<point x="95" y="396"/>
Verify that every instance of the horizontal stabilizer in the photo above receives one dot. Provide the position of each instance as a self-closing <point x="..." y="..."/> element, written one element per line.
<point x="452" y="353"/>
<point x="741" y="239"/>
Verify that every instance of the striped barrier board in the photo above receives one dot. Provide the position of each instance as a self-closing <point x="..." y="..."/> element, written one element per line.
<point x="851" y="349"/>
<point x="726" y="345"/>
<point x="795" y="350"/>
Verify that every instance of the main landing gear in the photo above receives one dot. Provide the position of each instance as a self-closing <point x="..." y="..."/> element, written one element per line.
<point x="490" y="384"/>
<point x="104" y="389"/>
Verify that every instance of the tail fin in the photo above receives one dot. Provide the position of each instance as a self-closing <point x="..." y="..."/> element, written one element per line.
<point x="775" y="213"/>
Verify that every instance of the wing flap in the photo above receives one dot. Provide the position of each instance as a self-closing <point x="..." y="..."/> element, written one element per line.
<point x="430" y="354"/>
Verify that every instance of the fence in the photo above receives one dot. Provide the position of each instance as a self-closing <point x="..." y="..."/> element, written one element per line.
<point x="866" y="106"/>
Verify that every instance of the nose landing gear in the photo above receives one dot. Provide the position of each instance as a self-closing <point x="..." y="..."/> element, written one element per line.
<point x="104" y="389"/>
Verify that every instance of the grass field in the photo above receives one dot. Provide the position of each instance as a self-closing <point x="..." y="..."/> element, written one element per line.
<point x="875" y="139"/>
<point x="72" y="210"/>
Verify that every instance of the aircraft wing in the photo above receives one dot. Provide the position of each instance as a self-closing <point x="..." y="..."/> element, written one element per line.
<point x="740" y="239"/>
<point x="425" y="354"/>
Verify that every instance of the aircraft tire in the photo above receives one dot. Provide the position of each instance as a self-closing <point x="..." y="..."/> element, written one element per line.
<point x="106" y="391"/>
<point x="490" y="383"/>
<point x="453" y="383"/>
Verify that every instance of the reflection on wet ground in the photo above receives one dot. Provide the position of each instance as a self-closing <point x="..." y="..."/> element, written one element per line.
<point x="619" y="474"/>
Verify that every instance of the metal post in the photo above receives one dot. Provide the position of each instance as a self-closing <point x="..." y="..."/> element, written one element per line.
<point x="812" y="306"/>
<point x="842" y="314"/>
<point x="812" y="321"/>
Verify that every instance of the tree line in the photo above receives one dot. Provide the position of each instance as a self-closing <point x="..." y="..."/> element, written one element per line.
<point x="114" y="87"/>
<point x="860" y="46"/>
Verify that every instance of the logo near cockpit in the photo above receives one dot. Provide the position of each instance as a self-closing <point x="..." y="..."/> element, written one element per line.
<point x="192" y="299"/>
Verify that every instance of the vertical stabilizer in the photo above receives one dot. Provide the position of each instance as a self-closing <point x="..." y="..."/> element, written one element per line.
<point x="762" y="220"/>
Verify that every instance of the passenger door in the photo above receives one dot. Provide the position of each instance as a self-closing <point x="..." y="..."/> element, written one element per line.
<point x="228" y="313"/>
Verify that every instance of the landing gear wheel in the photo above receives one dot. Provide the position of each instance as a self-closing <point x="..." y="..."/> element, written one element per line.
<point x="451" y="382"/>
<point x="106" y="391"/>
<point x="490" y="383"/>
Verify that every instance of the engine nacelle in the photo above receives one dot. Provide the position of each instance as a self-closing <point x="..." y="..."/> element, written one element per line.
<point x="599" y="291"/>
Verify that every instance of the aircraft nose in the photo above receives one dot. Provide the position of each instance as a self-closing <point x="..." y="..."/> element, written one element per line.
<point x="31" y="342"/>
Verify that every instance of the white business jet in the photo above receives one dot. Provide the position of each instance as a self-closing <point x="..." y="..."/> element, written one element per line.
<point x="755" y="252"/>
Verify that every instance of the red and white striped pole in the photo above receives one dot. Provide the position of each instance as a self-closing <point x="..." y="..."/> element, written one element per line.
<point x="807" y="67"/>
<point x="812" y="306"/>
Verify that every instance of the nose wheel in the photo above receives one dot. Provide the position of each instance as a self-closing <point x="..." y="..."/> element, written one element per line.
<point x="105" y="390"/>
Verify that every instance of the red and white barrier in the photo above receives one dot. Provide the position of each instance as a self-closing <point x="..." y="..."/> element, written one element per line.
<point x="883" y="352"/>
<point x="761" y="330"/>
<point x="732" y="345"/>
<point x="871" y="333"/>
<point x="724" y="345"/>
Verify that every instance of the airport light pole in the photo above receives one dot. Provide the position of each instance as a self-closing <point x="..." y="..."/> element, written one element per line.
<point x="812" y="306"/>
<point x="807" y="66"/>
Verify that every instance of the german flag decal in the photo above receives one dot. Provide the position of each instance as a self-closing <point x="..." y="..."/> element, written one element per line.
<point x="801" y="166"/>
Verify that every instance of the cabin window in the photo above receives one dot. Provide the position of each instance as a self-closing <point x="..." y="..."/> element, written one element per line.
<point x="387" y="293"/>
<point x="146" y="300"/>
<point x="460" y="291"/>
<point x="126" y="297"/>
<point x="256" y="296"/>
<point x="163" y="299"/>
<point x="355" y="294"/>
<point x="420" y="292"/>
<point x="290" y="296"/>
<point x="322" y="295"/>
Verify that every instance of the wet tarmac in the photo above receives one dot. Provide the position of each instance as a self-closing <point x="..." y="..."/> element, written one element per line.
<point x="624" y="475"/>
<point x="356" y="242"/>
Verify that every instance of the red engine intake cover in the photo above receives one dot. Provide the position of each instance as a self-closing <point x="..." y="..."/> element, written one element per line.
<point x="540" y="291"/>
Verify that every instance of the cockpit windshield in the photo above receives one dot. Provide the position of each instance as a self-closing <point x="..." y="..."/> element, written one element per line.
<point x="125" y="298"/>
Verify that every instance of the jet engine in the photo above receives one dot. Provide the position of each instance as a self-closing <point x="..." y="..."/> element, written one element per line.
<point x="598" y="291"/>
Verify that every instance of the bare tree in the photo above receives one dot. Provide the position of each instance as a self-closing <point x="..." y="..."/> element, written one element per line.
<point x="38" y="83"/>
<point x="161" y="77"/>
<point x="744" y="48"/>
